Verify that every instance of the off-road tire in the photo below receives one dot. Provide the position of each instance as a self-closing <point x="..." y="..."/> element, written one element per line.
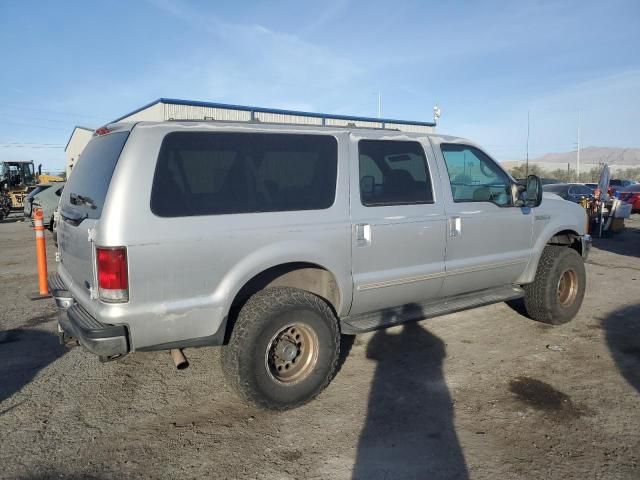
<point x="542" y="300"/>
<point x="244" y="358"/>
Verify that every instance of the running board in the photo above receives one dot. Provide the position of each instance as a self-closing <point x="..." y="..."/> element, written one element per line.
<point x="388" y="317"/>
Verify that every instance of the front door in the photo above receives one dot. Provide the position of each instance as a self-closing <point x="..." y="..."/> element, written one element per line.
<point x="488" y="238"/>
<point x="399" y="223"/>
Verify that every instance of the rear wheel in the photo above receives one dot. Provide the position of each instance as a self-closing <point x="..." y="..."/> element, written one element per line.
<point x="283" y="349"/>
<point x="556" y="294"/>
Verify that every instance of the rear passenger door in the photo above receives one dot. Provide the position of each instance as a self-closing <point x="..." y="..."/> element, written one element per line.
<point x="398" y="218"/>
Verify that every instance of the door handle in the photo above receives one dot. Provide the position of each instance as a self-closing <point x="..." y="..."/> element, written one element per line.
<point x="455" y="226"/>
<point x="362" y="237"/>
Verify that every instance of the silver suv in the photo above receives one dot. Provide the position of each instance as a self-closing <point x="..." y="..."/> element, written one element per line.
<point x="273" y="240"/>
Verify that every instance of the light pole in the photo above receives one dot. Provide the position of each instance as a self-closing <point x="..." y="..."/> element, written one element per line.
<point x="527" y="162"/>
<point x="578" y="152"/>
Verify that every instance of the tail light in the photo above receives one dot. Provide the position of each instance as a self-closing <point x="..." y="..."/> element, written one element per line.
<point x="113" y="277"/>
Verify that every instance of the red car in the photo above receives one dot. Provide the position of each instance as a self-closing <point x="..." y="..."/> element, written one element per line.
<point x="631" y="194"/>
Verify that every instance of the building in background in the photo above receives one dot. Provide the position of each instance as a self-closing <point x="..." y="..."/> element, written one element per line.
<point x="77" y="141"/>
<point x="166" y="109"/>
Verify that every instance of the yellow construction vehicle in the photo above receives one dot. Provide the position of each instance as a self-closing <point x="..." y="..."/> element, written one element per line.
<point x="18" y="178"/>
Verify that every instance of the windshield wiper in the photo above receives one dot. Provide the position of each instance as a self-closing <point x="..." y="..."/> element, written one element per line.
<point x="77" y="199"/>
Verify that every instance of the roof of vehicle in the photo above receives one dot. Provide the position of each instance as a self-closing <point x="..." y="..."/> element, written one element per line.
<point x="257" y="125"/>
<point x="17" y="161"/>
<point x="560" y="186"/>
<point x="50" y="184"/>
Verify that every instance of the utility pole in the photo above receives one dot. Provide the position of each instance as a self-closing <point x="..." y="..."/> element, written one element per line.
<point x="578" y="152"/>
<point x="527" y="163"/>
<point x="379" y="104"/>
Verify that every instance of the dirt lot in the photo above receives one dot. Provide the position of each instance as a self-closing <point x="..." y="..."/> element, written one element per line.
<point x="482" y="394"/>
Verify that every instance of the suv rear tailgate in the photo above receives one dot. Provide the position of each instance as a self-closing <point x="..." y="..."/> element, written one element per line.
<point x="80" y="210"/>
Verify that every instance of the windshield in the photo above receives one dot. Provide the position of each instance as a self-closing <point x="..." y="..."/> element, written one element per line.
<point x="88" y="184"/>
<point x="19" y="174"/>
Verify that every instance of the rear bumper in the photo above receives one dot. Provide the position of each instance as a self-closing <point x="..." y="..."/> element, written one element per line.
<point x="102" y="339"/>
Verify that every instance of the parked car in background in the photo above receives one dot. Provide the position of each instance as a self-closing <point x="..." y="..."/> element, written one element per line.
<point x="631" y="195"/>
<point x="47" y="199"/>
<point x="29" y="198"/>
<point x="592" y="186"/>
<point x="573" y="192"/>
<point x="618" y="183"/>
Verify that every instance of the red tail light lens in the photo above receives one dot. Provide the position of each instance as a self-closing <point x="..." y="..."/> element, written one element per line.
<point x="102" y="131"/>
<point x="113" y="278"/>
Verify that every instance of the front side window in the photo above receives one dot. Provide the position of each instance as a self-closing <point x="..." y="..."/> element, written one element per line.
<point x="210" y="173"/>
<point x="474" y="177"/>
<point x="393" y="173"/>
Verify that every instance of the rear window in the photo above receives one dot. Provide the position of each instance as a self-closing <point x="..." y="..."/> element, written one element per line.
<point x="37" y="190"/>
<point x="91" y="176"/>
<point x="202" y="173"/>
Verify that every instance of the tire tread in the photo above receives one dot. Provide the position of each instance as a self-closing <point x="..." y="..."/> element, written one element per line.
<point x="258" y="307"/>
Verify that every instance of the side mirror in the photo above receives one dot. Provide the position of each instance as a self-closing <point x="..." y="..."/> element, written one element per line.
<point x="533" y="193"/>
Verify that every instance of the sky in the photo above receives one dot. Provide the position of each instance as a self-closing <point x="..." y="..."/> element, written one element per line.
<point x="486" y="64"/>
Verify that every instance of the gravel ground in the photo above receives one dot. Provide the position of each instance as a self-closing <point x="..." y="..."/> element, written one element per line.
<point x="483" y="394"/>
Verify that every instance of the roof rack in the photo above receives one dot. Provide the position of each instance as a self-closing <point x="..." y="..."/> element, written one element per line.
<point x="288" y="124"/>
<point x="170" y="108"/>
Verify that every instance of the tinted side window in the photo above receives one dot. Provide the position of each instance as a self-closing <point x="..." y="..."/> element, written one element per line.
<point x="474" y="177"/>
<point x="393" y="173"/>
<point x="201" y="173"/>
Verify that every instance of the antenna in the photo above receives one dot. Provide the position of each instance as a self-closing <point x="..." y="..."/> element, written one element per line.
<point x="578" y="151"/>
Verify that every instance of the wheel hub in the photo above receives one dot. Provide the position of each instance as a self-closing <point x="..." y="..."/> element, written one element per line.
<point x="286" y="350"/>
<point x="292" y="353"/>
<point x="568" y="287"/>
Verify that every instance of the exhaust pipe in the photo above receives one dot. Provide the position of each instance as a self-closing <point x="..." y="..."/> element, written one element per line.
<point x="179" y="360"/>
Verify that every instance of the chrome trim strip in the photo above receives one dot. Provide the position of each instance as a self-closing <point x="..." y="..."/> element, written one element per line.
<point x="490" y="266"/>
<point x="420" y="278"/>
<point x="399" y="281"/>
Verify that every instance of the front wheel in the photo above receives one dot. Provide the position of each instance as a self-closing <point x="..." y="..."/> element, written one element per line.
<point x="283" y="349"/>
<point x="556" y="293"/>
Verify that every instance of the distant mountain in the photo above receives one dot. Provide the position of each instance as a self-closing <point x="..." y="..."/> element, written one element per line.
<point x="621" y="157"/>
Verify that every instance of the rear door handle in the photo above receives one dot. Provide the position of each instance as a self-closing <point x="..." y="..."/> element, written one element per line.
<point x="455" y="226"/>
<point x="362" y="235"/>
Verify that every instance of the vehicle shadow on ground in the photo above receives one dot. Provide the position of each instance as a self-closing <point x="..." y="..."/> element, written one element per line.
<point x="23" y="353"/>
<point x="622" y="331"/>
<point x="409" y="430"/>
